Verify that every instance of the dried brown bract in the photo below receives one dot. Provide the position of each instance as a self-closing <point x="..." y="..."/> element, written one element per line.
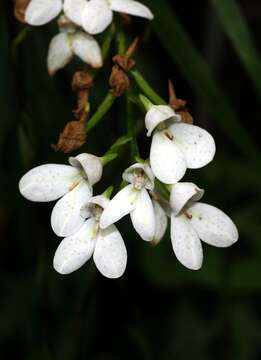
<point x="72" y="137"/>
<point x="179" y="105"/>
<point x="74" y="134"/>
<point x="82" y="80"/>
<point x="20" y="8"/>
<point x="119" y="81"/>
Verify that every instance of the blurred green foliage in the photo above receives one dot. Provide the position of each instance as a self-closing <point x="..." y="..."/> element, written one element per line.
<point x="158" y="310"/>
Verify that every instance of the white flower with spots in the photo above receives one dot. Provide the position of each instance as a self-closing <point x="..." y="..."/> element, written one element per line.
<point x="135" y="200"/>
<point x="73" y="184"/>
<point x="106" y="245"/>
<point x="192" y="221"/>
<point x="69" y="42"/>
<point x="176" y="146"/>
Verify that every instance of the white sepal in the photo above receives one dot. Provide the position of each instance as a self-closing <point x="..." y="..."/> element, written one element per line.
<point x="110" y="254"/>
<point x="132" y="8"/>
<point x="60" y="53"/>
<point x="119" y="206"/>
<point x="73" y="9"/>
<point x="197" y="145"/>
<point x="66" y="216"/>
<point x="40" y="12"/>
<point x="161" y="222"/>
<point x="76" y="250"/>
<point x="96" y="16"/>
<point x="186" y="243"/>
<point x="87" y="49"/>
<point x="48" y="182"/>
<point x="142" y="216"/>
<point x="167" y="161"/>
<point x="213" y="226"/>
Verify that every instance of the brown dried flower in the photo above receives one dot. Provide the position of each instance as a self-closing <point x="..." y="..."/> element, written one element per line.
<point x="20" y="8"/>
<point x="82" y="80"/>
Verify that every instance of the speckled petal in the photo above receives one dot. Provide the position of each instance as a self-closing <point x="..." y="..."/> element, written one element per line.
<point x="40" y="12"/>
<point x="66" y="216"/>
<point x="48" y="182"/>
<point x="212" y="225"/>
<point x="90" y="164"/>
<point x="182" y="193"/>
<point x="60" y="53"/>
<point x="96" y="16"/>
<point x="166" y="160"/>
<point x="197" y="145"/>
<point x="119" y="206"/>
<point x="75" y="250"/>
<point x="186" y="243"/>
<point x="132" y="8"/>
<point x="87" y="49"/>
<point x="73" y="9"/>
<point x="142" y="217"/>
<point x="110" y="254"/>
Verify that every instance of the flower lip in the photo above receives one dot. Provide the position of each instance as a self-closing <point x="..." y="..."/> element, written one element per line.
<point x="90" y="166"/>
<point x="140" y="175"/>
<point x="158" y="114"/>
<point x="182" y="194"/>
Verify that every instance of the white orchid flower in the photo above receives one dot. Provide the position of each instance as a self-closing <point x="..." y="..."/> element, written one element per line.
<point x="192" y="221"/>
<point x="73" y="184"/>
<point x="134" y="199"/>
<point x="161" y="222"/>
<point x="70" y="42"/>
<point x="176" y="146"/>
<point x="95" y="15"/>
<point x="106" y="245"/>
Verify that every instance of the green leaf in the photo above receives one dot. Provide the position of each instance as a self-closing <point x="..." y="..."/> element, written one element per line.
<point x="236" y="29"/>
<point x="196" y="71"/>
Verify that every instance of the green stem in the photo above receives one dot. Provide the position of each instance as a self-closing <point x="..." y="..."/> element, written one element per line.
<point x="106" y="45"/>
<point x="146" y="88"/>
<point x="131" y="130"/>
<point x="101" y="112"/>
<point x="121" y="42"/>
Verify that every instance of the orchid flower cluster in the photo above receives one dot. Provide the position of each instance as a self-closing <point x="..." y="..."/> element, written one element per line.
<point x="151" y="192"/>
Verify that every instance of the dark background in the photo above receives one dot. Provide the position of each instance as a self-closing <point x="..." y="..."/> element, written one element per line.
<point x="159" y="309"/>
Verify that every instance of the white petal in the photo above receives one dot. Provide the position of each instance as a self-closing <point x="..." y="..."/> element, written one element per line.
<point x="167" y="161"/>
<point x="129" y="176"/>
<point x="212" y="225"/>
<point x="186" y="243"/>
<point x="60" y="52"/>
<point x="73" y="9"/>
<point x="91" y="165"/>
<point x="96" y="16"/>
<point x="87" y="49"/>
<point x="110" y="254"/>
<point x="197" y="145"/>
<point x="66" y="217"/>
<point x="142" y="217"/>
<point x="100" y="200"/>
<point x="161" y="222"/>
<point x="120" y="205"/>
<point x="75" y="250"/>
<point x="40" y="12"/>
<point x="183" y="192"/>
<point x="132" y="8"/>
<point x="48" y="182"/>
<point x="157" y="114"/>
